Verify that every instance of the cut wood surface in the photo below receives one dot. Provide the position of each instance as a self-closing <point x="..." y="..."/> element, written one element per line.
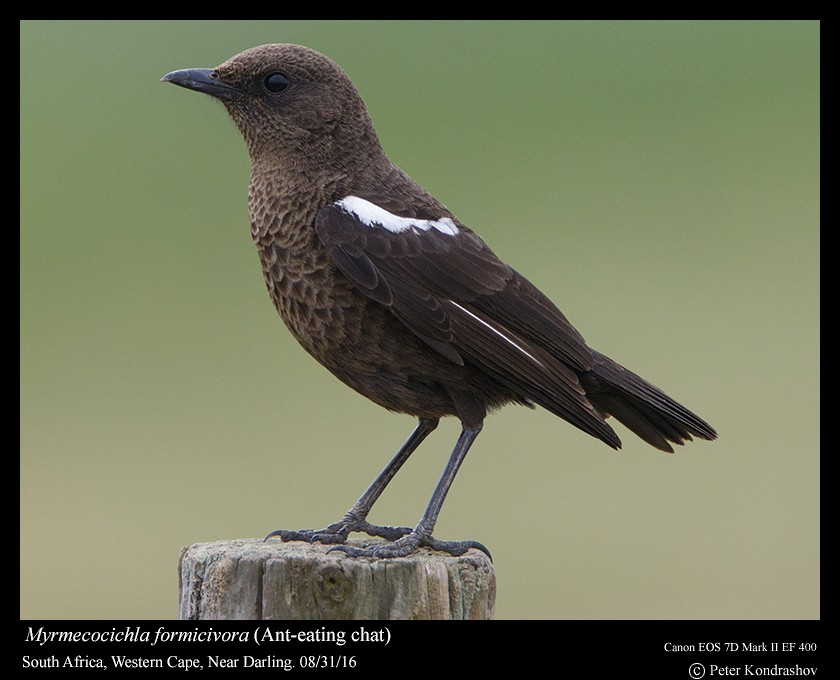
<point x="253" y="579"/>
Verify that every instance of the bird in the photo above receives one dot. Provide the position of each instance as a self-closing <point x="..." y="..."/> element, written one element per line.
<point x="396" y="297"/>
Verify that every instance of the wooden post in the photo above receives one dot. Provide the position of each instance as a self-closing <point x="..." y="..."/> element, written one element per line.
<point x="252" y="579"/>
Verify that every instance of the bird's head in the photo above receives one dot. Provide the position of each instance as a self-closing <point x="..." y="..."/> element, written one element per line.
<point x="289" y="102"/>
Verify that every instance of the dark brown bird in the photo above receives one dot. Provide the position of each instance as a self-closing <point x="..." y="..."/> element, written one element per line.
<point x="394" y="295"/>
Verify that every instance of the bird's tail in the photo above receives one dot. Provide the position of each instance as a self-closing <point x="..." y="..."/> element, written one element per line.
<point x="640" y="406"/>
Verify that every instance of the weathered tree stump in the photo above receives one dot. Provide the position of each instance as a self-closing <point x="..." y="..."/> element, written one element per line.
<point x="252" y="579"/>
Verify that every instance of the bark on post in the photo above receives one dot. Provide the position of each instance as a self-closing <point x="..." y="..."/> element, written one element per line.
<point x="252" y="579"/>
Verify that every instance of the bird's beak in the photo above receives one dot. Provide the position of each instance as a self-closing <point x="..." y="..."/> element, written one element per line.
<point x="204" y="80"/>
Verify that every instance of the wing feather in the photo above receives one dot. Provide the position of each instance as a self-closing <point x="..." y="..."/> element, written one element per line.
<point x="449" y="289"/>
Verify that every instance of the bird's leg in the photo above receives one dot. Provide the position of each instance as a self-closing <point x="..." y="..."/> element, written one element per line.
<point x="421" y="535"/>
<point x="356" y="517"/>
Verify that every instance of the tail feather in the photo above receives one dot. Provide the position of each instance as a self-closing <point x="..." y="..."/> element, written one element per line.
<point x="642" y="407"/>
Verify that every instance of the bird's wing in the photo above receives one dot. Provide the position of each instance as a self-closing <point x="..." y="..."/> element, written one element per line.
<point x="446" y="285"/>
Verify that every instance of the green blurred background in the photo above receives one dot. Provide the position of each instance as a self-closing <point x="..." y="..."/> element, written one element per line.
<point x="660" y="181"/>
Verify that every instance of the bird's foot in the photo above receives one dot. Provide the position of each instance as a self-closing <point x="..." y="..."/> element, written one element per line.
<point x="339" y="531"/>
<point x="409" y="543"/>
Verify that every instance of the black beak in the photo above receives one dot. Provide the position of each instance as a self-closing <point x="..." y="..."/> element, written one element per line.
<point x="204" y="80"/>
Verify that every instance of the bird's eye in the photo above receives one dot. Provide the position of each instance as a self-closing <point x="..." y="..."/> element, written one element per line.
<point x="276" y="82"/>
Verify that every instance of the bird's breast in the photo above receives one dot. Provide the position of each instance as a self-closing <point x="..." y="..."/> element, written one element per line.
<point x="308" y="292"/>
<point x="310" y="295"/>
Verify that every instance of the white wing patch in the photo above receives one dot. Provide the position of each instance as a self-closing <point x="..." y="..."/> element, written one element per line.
<point x="371" y="215"/>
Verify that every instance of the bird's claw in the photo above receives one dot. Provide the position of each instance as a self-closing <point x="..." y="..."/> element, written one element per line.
<point x="309" y="535"/>
<point x="409" y="544"/>
<point x="339" y="531"/>
<point x="403" y="540"/>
